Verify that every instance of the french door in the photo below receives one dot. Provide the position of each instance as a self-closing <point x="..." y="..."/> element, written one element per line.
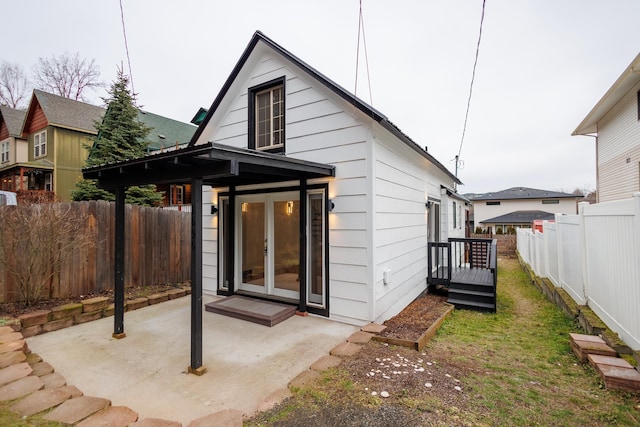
<point x="268" y="242"/>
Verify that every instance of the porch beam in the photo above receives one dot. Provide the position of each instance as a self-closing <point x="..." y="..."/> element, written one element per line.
<point x="196" y="278"/>
<point x="118" y="317"/>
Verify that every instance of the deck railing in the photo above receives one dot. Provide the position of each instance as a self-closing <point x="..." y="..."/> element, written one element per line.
<point x="456" y="253"/>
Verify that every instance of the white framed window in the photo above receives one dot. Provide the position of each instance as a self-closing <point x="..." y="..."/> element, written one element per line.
<point x="4" y="152"/>
<point x="48" y="186"/>
<point x="40" y="144"/>
<point x="270" y="118"/>
<point x="176" y="194"/>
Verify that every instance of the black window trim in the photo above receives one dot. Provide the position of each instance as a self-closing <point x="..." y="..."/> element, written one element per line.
<point x="280" y="81"/>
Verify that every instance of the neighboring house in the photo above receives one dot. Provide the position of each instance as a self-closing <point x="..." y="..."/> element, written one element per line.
<point x="517" y="207"/>
<point x="56" y="129"/>
<point x="310" y="196"/>
<point x="43" y="149"/>
<point x="167" y="135"/>
<point x="615" y="122"/>
<point x="13" y="149"/>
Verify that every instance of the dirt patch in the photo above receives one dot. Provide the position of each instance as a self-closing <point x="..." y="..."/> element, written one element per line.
<point x="416" y="318"/>
<point x="16" y="309"/>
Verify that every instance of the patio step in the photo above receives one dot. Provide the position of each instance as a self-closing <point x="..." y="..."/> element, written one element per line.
<point x="265" y="313"/>
<point x="471" y="296"/>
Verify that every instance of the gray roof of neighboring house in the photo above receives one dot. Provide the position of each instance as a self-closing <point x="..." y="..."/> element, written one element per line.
<point x="14" y="119"/>
<point x="166" y="133"/>
<point x="68" y="113"/>
<point x="522" y="193"/>
<point x="519" y="217"/>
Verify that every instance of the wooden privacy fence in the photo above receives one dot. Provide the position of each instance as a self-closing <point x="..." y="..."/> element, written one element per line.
<point x="157" y="251"/>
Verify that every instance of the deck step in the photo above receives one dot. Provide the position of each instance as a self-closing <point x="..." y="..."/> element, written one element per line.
<point x="472" y="305"/>
<point x="474" y="296"/>
<point x="479" y="287"/>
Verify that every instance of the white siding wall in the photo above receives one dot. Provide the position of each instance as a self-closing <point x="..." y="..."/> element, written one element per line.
<point x="618" y="150"/>
<point x="320" y="127"/>
<point x="483" y="212"/>
<point x="403" y="182"/>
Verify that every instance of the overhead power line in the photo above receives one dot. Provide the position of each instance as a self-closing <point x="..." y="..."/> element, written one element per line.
<point x="366" y="57"/>
<point x="126" y="46"/>
<point x="473" y="77"/>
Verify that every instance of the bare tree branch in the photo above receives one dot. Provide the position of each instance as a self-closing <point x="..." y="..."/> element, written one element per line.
<point x="67" y="75"/>
<point x="13" y="85"/>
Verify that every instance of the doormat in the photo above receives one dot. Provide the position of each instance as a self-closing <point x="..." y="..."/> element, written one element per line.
<point x="250" y="309"/>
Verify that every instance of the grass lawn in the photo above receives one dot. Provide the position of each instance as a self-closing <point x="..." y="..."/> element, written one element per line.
<point x="513" y="367"/>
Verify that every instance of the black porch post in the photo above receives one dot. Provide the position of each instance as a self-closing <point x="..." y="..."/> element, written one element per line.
<point x="196" y="278"/>
<point x="118" y="286"/>
<point x="230" y="242"/>
<point x="302" y="269"/>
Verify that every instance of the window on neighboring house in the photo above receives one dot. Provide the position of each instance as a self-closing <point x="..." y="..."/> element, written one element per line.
<point x="551" y="202"/>
<point x="177" y="194"/>
<point x="266" y="116"/>
<point x="493" y="203"/>
<point x="40" y="144"/>
<point x="4" y="152"/>
<point x="48" y="186"/>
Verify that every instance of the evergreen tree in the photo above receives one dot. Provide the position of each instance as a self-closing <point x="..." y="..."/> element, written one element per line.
<point x="120" y="137"/>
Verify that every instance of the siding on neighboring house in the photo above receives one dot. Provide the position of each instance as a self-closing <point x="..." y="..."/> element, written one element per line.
<point x="482" y="211"/>
<point x="618" y="150"/>
<point x="70" y="156"/>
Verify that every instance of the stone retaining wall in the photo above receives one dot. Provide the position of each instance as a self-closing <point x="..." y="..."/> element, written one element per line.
<point x="42" y="321"/>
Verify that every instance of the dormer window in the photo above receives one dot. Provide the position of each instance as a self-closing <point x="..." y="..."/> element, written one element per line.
<point x="266" y="116"/>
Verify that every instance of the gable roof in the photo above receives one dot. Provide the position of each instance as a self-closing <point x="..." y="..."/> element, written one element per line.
<point x="64" y="112"/>
<point x="13" y="119"/>
<point x="166" y="132"/>
<point x="629" y="78"/>
<point x="368" y="110"/>
<point x="515" y="193"/>
<point x="519" y="217"/>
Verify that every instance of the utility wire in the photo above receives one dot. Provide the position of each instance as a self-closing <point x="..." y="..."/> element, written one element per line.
<point x="473" y="76"/>
<point x="366" y="56"/>
<point x="126" y="46"/>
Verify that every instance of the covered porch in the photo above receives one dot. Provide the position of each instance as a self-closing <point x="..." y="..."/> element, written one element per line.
<point x="217" y="166"/>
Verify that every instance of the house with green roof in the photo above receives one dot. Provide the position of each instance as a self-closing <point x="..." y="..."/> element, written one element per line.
<point x="167" y="135"/>
<point x="43" y="149"/>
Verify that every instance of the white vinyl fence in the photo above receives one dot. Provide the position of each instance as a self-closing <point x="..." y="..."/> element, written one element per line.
<point x="595" y="257"/>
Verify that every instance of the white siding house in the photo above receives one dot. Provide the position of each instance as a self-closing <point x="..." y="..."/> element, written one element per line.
<point x="367" y="226"/>
<point x="518" y="206"/>
<point x="615" y="122"/>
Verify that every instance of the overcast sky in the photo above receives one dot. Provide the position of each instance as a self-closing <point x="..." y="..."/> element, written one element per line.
<point x="543" y="65"/>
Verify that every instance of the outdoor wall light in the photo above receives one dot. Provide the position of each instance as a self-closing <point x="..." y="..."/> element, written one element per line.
<point x="214" y="209"/>
<point x="331" y="205"/>
<point x="289" y="207"/>
<point x="244" y="207"/>
<point x="428" y="205"/>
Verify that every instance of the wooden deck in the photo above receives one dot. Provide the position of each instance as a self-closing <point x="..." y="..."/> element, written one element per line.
<point x="471" y="278"/>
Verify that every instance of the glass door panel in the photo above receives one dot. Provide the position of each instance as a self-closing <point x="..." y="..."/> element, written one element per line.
<point x="253" y="246"/>
<point x="316" y="244"/>
<point x="286" y="248"/>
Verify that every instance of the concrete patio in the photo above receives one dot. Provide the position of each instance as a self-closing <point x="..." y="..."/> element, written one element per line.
<point x="147" y="370"/>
